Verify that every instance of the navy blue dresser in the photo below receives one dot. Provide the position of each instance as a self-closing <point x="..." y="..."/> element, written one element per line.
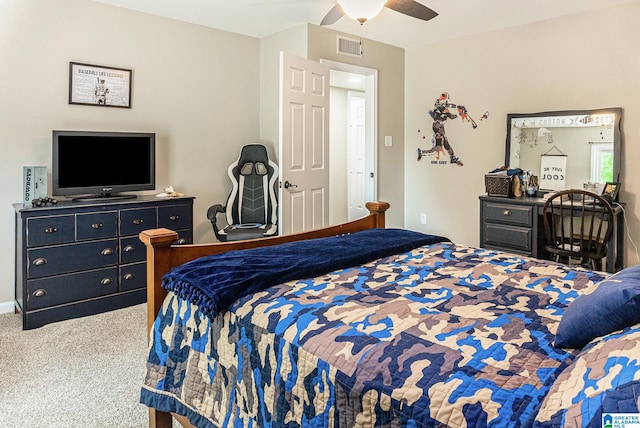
<point x="75" y="259"/>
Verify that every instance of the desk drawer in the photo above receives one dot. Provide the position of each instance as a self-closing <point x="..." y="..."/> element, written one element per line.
<point x="71" y="258"/>
<point x="56" y="290"/>
<point x="516" y="215"/>
<point x="509" y="237"/>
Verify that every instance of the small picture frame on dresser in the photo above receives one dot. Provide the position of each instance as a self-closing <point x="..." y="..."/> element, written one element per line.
<point x="610" y="190"/>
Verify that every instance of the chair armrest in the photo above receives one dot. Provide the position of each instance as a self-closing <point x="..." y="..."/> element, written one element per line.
<point x="213" y="211"/>
<point x="212" y="215"/>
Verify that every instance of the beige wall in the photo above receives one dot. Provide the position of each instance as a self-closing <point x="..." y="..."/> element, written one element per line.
<point x="293" y="41"/>
<point x="195" y="87"/>
<point x="584" y="61"/>
<point x="389" y="61"/>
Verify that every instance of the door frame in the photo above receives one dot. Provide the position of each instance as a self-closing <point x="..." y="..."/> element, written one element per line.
<point x="371" y="104"/>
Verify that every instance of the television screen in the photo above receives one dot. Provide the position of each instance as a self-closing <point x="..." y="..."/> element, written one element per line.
<point x="102" y="164"/>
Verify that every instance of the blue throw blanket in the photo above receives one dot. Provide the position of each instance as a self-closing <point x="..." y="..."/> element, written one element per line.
<point x="214" y="282"/>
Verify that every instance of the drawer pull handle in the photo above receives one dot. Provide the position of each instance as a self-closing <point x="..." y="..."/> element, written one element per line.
<point x="106" y="252"/>
<point x="128" y="276"/>
<point x="40" y="262"/>
<point x="40" y="292"/>
<point x="181" y="241"/>
<point x="106" y="281"/>
<point x="128" y="248"/>
<point x="506" y="213"/>
<point x="138" y="221"/>
<point x="96" y="225"/>
<point x="50" y="230"/>
<point x="174" y="218"/>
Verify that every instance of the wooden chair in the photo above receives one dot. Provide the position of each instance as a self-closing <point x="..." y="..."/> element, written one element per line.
<point x="578" y="225"/>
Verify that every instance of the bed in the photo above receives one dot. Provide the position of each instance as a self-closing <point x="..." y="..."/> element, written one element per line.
<point x="367" y="326"/>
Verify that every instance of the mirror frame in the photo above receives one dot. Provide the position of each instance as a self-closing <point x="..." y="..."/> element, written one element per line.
<point x="617" y="133"/>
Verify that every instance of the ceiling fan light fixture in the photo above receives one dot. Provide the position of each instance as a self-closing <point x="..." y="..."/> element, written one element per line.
<point x="361" y="10"/>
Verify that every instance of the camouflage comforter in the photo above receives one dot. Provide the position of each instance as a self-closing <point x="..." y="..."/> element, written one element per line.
<point x="443" y="335"/>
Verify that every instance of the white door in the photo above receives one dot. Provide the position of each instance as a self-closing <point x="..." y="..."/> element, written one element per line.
<point x="304" y="144"/>
<point x="356" y="156"/>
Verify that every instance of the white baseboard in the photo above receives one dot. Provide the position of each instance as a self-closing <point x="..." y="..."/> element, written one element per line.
<point x="6" y="307"/>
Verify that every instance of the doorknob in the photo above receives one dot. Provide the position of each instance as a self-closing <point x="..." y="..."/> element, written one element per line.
<point x="287" y="184"/>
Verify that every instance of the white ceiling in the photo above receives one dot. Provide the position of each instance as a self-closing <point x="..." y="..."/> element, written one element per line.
<point x="260" y="18"/>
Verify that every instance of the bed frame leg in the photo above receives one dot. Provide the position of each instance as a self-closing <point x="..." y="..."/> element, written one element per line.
<point x="157" y="242"/>
<point x="159" y="419"/>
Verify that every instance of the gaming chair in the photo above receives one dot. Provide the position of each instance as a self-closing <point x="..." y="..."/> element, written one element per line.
<point x="251" y="208"/>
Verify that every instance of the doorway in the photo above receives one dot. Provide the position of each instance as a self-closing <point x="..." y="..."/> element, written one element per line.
<point x="352" y="147"/>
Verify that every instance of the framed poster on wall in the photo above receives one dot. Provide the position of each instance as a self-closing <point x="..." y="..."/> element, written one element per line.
<point x="97" y="85"/>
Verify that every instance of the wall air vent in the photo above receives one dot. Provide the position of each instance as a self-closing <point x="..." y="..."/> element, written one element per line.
<point x="350" y="47"/>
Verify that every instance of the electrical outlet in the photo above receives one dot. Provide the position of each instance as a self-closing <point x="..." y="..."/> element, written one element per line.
<point x="423" y="219"/>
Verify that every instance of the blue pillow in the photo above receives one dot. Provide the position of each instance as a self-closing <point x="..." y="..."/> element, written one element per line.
<point x="614" y="305"/>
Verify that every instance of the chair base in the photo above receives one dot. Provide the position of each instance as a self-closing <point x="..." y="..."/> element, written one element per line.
<point x="241" y="232"/>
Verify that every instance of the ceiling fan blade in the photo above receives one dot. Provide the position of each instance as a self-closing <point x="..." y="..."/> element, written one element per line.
<point x="334" y="14"/>
<point x="411" y="8"/>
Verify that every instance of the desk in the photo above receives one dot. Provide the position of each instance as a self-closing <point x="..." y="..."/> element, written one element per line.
<point x="516" y="225"/>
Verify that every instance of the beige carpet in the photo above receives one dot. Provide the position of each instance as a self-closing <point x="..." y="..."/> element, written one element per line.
<point x="80" y="373"/>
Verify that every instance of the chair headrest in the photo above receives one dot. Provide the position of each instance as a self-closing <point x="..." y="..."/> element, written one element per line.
<point x="248" y="168"/>
<point x="253" y="153"/>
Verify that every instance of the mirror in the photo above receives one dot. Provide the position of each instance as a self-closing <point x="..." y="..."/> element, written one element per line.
<point x="585" y="142"/>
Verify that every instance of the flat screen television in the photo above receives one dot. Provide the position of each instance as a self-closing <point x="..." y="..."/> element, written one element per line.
<point x="91" y="164"/>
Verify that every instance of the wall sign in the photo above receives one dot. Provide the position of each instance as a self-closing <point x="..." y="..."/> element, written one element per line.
<point x="34" y="179"/>
<point x="97" y="85"/>
<point x="553" y="172"/>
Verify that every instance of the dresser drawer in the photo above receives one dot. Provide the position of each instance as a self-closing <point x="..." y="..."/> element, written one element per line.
<point x="132" y="222"/>
<point x="133" y="276"/>
<point x="132" y="250"/>
<point x="184" y="237"/>
<point x="96" y="226"/>
<point x="516" y="215"/>
<point x="508" y="237"/>
<point x="174" y="216"/>
<point x="56" y="290"/>
<point x="71" y="258"/>
<point x="50" y="230"/>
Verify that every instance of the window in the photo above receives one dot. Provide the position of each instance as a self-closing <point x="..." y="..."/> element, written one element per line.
<point x="601" y="162"/>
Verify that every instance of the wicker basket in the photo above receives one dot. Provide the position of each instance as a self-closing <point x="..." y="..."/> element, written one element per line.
<point x="498" y="185"/>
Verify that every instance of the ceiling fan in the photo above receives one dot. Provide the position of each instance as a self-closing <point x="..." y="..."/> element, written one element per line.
<point x="362" y="10"/>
